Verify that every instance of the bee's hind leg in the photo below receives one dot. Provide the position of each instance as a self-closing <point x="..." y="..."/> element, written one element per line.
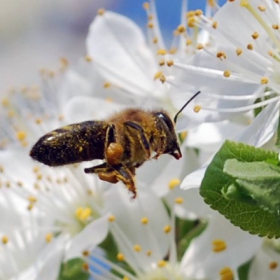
<point x="104" y="172"/>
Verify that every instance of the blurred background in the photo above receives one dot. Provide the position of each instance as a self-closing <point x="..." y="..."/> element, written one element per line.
<point x="34" y="34"/>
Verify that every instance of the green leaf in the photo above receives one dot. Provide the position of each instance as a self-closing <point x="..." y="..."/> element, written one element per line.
<point x="241" y="183"/>
<point x="73" y="270"/>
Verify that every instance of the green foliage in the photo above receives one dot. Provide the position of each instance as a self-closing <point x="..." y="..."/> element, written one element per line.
<point x="242" y="183"/>
<point x="73" y="270"/>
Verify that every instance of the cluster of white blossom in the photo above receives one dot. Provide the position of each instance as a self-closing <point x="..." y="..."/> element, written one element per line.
<point x="49" y="216"/>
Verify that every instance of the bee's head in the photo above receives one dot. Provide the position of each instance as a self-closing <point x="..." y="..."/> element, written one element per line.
<point x="166" y="125"/>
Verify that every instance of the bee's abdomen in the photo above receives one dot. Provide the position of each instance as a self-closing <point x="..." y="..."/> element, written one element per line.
<point x="71" y="144"/>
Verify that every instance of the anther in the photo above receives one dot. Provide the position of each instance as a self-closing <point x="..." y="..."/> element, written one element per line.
<point x="250" y="47"/>
<point x="167" y="229"/>
<point x="188" y="42"/>
<point x="146" y="6"/>
<point x="161" y="52"/>
<point x="227" y="73"/>
<point x="226" y="274"/>
<point x="48" y="237"/>
<point x="199" y="47"/>
<point x="150" y="25"/>
<point x="101" y="12"/>
<point x="137" y="248"/>
<point x="179" y="200"/>
<point x="162" y="78"/>
<point x="88" y="58"/>
<point x="215" y="24"/>
<point x="197" y="108"/>
<point x="221" y="55"/>
<point x="21" y="135"/>
<point x="162" y="263"/>
<point x="107" y="85"/>
<point x="275" y="26"/>
<point x="86" y="253"/>
<point x="273" y="265"/>
<point x="255" y="35"/>
<point x="262" y="8"/>
<point x="144" y="220"/>
<point x="161" y="62"/>
<point x="158" y="75"/>
<point x="198" y="13"/>
<point x="170" y="63"/>
<point x="5" y="239"/>
<point x="264" y="80"/>
<point x="32" y="199"/>
<point x="174" y="183"/>
<point x="155" y="40"/>
<point x="218" y="245"/>
<point x="238" y="51"/>
<point x="120" y="257"/>
<point x="112" y="218"/>
<point x="86" y="267"/>
<point x="191" y="22"/>
<point x="181" y="29"/>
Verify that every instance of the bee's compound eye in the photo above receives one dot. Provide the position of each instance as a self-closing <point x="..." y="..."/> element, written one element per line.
<point x="166" y="119"/>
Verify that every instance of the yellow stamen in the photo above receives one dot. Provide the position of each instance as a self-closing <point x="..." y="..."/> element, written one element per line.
<point x="107" y="85"/>
<point x="221" y="55"/>
<point x="83" y="213"/>
<point x="21" y="135"/>
<point x="250" y="47"/>
<point x="239" y="51"/>
<point x="5" y="239"/>
<point x="161" y="62"/>
<point x="101" y="12"/>
<point x="86" y="266"/>
<point x="215" y="24"/>
<point x="179" y="200"/>
<point x="199" y="47"/>
<point x="162" y="78"/>
<point x="172" y="50"/>
<point x="198" y="13"/>
<point x="264" y="80"/>
<point x="146" y="6"/>
<point x="150" y="25"/>
<point x="226" y="274"/>
<point x="188" y="42"/>
<point x="181" y="29"/>
<point x="137" y="248"/>
<point x="48" y="237"/>
<point x="112" y="218"/>
<point x="32" y="199"/>
<point x="218" y="245"/>
<point x="155" y="40"/>
<point x="255" y="35"/>
<point x="86" y="253"/>
<point x="126" y="278"/>
<point x="197" y="108"/>
<point x="174" y="183"/>
<point x="88" y="58"/>
<point x="144" y="220"/>
<point x="158" y="75"/>
<point x="275" y="26"/>
<point x="162" y="263"/>
<point x="167" y="229"/>
<point x="227" y="73"/>
<point x="262" y="8"/>
<point x="273" y="265"/>
<point x="170" y="63"/>
<point x="161" y="52"/>
<point x="149" y="253"/>
<point x="120" y="257"/>
<point x="191" y="22"/>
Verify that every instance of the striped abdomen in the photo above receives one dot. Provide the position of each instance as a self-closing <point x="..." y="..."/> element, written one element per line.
<point x="71" y="144"/>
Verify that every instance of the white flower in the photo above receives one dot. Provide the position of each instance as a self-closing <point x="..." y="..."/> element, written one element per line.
<point x="147" y="248"/>
<point x="136" y="68"/>
<point x="241" y="67"/>
<point x="28" y="249"/>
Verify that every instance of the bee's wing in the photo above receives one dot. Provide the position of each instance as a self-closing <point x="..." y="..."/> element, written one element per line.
<point x="71" y="144"/>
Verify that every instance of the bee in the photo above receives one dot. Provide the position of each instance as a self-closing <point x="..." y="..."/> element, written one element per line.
<point x="124" y="141"/>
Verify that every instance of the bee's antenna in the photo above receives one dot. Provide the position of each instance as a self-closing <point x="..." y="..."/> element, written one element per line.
<point x="194" y="96"/>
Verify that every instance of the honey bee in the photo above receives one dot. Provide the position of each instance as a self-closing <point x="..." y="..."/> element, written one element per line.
<point x="124" y="141"/>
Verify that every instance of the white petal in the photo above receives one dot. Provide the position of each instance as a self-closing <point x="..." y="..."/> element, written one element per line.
<point x="263" y="127"/>
<point x="200" y="260"/>
<point x="118" y="46"/>
<point x="88" y="238"/>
